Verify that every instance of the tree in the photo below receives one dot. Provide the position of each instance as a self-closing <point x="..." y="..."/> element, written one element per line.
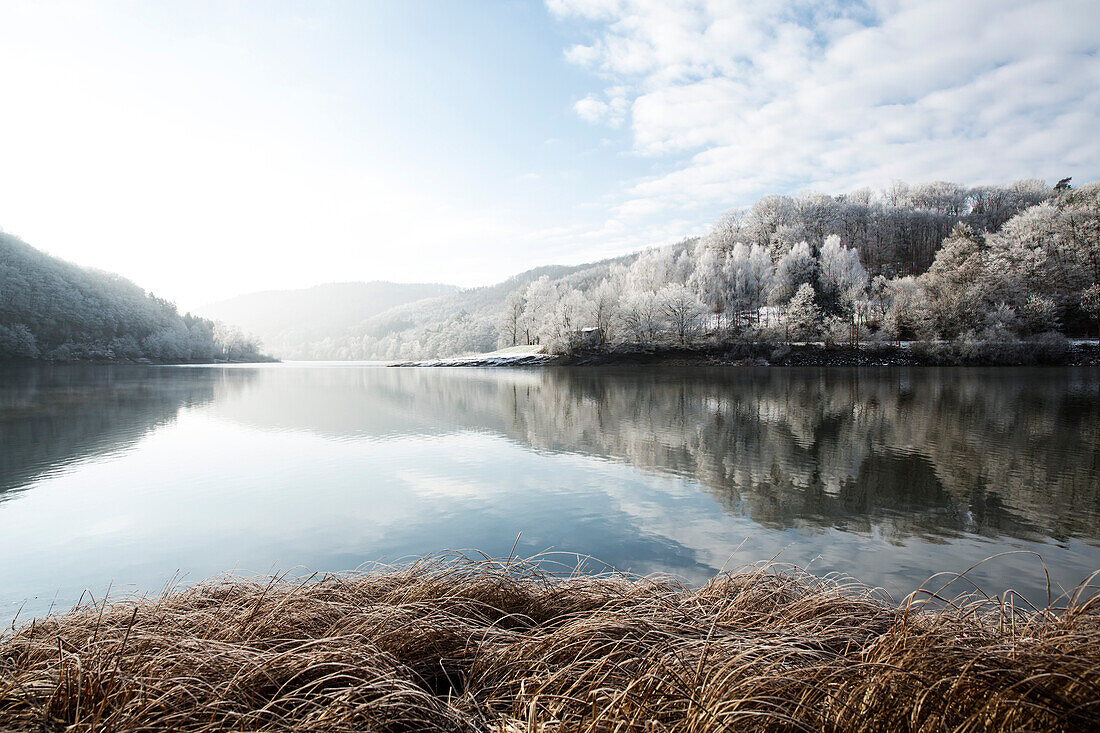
<point x="654" y="268"/>
<point x="682" y="309"/>
<point x="641" y="314"/>
<point x="794" y="269"/>
<point x="234" y="344"/>
<point x="567" y="319"/>
<point x="841" y="278"/>
<point x="880" y="297"/>
<point x="539" y="302"/>
<point x="709" y="279"/>
<point x="510" y="320"/>
<point x="956" y="282"/>
<point x="766" y="218"/>
<point x="910" y="312"/>
<point x="749" y="277"/>
<point x="727" y="231"/>
<point x="17" y="342"/>
<point x="803" y="316"/>
<point x="1090" y="303"/>
<point x="1039" y="314"/>
<point x="603" y="309"/>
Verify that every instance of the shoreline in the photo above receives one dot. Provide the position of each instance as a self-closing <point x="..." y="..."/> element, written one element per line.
<point x="448" y="643"/>
<point x="131" y="362"/>
<point x="781" y="355"/>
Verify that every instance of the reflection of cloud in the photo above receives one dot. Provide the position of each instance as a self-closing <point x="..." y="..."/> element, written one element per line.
<point x="443" y="486"/>
<point x="651" y="470"/>
<point x="924" y="453"/>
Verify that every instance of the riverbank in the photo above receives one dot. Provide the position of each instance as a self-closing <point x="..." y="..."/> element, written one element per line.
<point x="818" y="354"/>
<point x="1069" y="353"/>
<point x="133" y="362"/>
<point x="502" y="646"/>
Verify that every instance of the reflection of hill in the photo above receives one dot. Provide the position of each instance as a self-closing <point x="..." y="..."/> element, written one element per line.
<point x="900" y="452"/>
<point x="53" y="416"/>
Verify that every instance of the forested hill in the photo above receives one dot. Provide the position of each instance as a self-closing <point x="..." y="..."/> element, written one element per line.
<point x="52" y="309"/>
<point x="462" y="321"/>
<point x="934" y="262"/>
<point x="983" y="274"/>
<point x="284" y="320"/>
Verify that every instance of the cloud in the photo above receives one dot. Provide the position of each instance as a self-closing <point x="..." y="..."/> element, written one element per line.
<point x="611" y="112"/>
<point x="736" y="100"/>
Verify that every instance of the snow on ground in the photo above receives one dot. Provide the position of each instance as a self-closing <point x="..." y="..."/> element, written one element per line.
<point x="511" y="356"/>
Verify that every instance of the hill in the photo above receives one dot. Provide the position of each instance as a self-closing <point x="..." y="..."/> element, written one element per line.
<point x="54" y="310"/>
<point x="287" y="320"/>
<point x="1001" y="272"/>
<point x="459" y="322"/>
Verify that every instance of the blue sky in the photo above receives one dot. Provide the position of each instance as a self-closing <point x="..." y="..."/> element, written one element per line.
<point x="209" y="149"/>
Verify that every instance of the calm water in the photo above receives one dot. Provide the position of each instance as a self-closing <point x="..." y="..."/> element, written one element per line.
<point x="133" y="476"/>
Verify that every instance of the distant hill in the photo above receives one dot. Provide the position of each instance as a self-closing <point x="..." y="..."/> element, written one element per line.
<point x="459" y="322"/>
<point x="55" y="310"/>
<point x="286" y="320"/>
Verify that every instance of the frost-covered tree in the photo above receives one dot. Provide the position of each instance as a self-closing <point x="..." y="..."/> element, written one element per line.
<point x="603" y="309"/>
<point x="568" y="316"/>
<point x="794" y="269"/>
<point x="1039" y="314"/>
<point x="540" y="298"/>
<point x="682" y="309"/>
<point x="768" y="218"/>
<point x="54" y="310"/>
<point x="234" y="344"/>
<point x="510" y="324"/>
<point x="1001" y="324"/>
<point x="727" y="231"/>
<point x="803" y="319"/>
<point x="910" y="313"/>
<point x="841" y="279"/>
<point x="749" y="276"/>
<point x="957" y="284"/>
<point x="17" y="342"/>
<point x="642" y="316"/>
<point x="655" y="268"/>
<point x="1090" y="303"/>
<point x="879" y="297"/>
<point x="709" y="279"/>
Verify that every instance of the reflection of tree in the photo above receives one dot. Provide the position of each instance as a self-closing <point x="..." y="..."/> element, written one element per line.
<point x="901" y="452"/>
<point x="52" y="416"/>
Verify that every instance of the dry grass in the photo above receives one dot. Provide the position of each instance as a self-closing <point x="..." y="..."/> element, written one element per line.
<point x="451" y="644"/>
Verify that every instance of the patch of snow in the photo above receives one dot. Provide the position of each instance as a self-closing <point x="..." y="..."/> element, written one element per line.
<point x="511" y="356"/>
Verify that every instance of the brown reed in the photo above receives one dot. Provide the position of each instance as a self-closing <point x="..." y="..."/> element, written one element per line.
<point x="448" y="643"/>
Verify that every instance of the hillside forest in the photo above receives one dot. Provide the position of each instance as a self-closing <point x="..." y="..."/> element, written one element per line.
<point x="982" y="272"/>
<point x="57" y="311"/>
<point x="983" y="266"/>
<point x="970" y="269"/>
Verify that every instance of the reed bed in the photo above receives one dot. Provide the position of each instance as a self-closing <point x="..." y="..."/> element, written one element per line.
<point x="453" y="644"/>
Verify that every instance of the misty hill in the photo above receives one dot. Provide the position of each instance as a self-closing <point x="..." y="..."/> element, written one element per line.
<point x="287" y="320"/>
<point x="55" y="310"/>
<point x="459" y="322"/>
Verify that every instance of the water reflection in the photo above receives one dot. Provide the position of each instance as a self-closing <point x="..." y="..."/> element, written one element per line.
<point x="51" y="417"/>
<point x="126" y="475"/>
<point x="916" y="452"/>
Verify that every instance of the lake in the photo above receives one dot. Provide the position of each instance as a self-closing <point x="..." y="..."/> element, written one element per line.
<point x="135" y="478"/>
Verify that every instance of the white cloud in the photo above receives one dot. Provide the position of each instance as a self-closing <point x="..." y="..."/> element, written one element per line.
<point x="742" y="99"/>
<point x="595" y="110"/>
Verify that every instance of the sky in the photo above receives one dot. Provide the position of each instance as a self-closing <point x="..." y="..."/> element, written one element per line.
<point x="208" y="149"/>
